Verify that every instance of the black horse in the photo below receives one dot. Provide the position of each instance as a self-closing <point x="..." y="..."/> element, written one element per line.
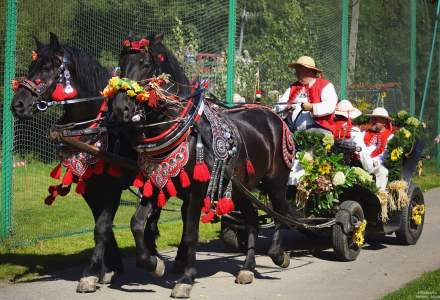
<point x="261" y="135"/>
<point x="103" y="192"/>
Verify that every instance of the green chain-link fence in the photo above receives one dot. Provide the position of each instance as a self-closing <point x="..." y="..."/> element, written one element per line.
<point x="268" y="35"/>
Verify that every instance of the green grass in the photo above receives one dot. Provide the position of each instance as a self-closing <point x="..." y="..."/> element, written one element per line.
<point x="430" y="177"/>
<point x="425" y="287"/>
<point x="47" y="238"/>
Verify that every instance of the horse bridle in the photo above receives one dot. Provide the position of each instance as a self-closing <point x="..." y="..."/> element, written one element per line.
<point x="42" y="102"/>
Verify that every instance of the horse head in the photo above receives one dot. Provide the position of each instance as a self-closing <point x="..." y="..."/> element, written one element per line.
<point x="59" y="72"/>
<point x="144" y="58"/>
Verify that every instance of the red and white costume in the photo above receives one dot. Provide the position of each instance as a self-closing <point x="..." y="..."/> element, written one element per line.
<point x="321" y="93"/>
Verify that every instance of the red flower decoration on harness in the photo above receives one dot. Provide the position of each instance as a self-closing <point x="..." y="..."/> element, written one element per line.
<point x="136" y="46"/>
<point x="34" y="55"/>
<point x="161" y="57"/>
<point x="15" y="84"/>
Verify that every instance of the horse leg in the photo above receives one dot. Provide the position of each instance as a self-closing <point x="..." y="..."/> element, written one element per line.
<point x="151" y="232"/>
<point x="277" y="196"/>
<point x="180" y="260"/>
<point x="190" y="235"/>
<point x="144" y="258"/>
<point x="246" y="274"/>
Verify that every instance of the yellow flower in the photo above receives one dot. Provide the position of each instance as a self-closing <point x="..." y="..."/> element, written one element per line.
<point x="358" y="236"/>
<point x="131" y="93"/>
<point x="114" y="81"/>
<point x="324" y="168"/>
<point x="417" y="214"/>
<point x="396" y="153"/>
<point x="328" y="147"/>
<point x="406" y="133"/>
<point x="125" y="86"/>
<point x="136" y="87"/>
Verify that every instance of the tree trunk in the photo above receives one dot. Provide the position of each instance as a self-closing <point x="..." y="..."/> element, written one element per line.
<point x="353" y="40"/>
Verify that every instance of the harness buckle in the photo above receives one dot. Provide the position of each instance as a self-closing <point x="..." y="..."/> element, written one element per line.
<point x="42" y="105"/>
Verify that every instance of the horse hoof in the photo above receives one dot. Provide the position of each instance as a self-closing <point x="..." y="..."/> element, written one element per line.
<point x="286" y="261"/>
<point x="108" y="277"/>
<point x="179" y="266"/>
<point x="160" y="268"/>
<point x="181" y="290"/>
<point x="244" y="277"/>
<point x="87" y="284"/>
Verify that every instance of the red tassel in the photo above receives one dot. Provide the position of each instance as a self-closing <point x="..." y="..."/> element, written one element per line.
<point x="148" y="189"/>
<point x="250" y="167"/>
<point x="224" y="206"/>
<point x="80" y="187"/>
<point x="70" y="95"/>
<point x="184" y="179"/>
<point x="58" y="93"/>
<point x="114" y="170"/>
<point x="207" y="218"/>
<point x="161" y="199"/>
<point x="68" y="178"/>
<point x="56" y="172"/>
<point x="98" y="169"/>
<point x="201" y="172"/>
<point x="138" y="181"/>
<point x="171" y="189"/>
<point x="206" y="204"/>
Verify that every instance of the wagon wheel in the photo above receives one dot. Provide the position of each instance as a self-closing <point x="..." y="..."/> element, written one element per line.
<point x="345" y="248"/>
<point x="412" y="218"/>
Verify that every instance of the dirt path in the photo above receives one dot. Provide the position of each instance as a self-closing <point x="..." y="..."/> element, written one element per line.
<point x="381" y="267"/>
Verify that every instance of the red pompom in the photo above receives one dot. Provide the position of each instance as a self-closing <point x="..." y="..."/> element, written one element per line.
<point x="80" y="187"/>
<point x="114" y="170"/>
<point x="15" y="85"/>
<point x="201" y="172"/>
<point x="171" y="189"/>
<point x="138" y="181"/>
<point x="161" y="199"/>
<point x="71" y="94"/>
<point x="68" y="177"/>
<point x="144" y="43"/>
<point x="250" y="167"/>
<point x="56" y="172"/>
<point x="58" y="93"/>
<point x="98" y="168"/>
<point x="126" y="43"/>
<point x="184" y="179"/>
<point x="207" y="218"/>
<point x="206" y="204"/>
<point x="224" y="206"/>
<point x="148" y="189"/>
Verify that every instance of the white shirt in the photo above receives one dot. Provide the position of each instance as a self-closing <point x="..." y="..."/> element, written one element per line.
<point x="304" y="119"/>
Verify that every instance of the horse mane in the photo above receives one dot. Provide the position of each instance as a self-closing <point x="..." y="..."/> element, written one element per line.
<point x="90" y="75"/>
<point x="171" y="65"/>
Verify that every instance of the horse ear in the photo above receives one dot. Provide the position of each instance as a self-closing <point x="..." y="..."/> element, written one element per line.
<point x="54" y="43"/>
<point x="37" y="42"/>
<point x="159" y="37"/>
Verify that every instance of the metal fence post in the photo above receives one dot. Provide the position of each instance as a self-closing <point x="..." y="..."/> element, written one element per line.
<point x="8" y="121"/>
<point x="412" y="65"/>
<point x="231" y="53"/>
<point x="344" y="48"/>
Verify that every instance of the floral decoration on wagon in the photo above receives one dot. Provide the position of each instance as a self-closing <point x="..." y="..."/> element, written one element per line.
<point x="150" y="92"/>
<point x="408" y="128"/>
<point x="326" y="176"/>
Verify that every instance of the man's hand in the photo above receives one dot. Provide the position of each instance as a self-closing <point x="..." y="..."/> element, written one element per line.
<point x="307" y="106"/>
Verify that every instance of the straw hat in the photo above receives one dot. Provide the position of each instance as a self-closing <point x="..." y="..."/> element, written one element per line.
<point x="346" y="109"/>
<point x="380" y="112"/>
<point x="305" y="61"/>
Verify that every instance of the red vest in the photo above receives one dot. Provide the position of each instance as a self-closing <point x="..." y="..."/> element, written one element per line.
<point x="314" y="95"/>
<point x="378" y="138"/>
